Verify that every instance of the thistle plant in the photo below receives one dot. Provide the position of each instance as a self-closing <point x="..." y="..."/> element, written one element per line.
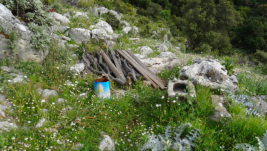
<point x="171" y="139"/>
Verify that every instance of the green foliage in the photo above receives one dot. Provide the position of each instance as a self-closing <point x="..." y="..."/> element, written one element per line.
<point x="260" y="56"/>
<point x="228" y="65"/>
<point x="1" y="29"/>
<point x="35" y="11"/>
<point x="143" y="21"/>
<point x="12" y="38"/>
<point x="86" y="3"/>
<point x="40" y="39"/>
<point x="252" y="35"/>
<point x="2" y="141"/>
<point x="244" y="11"/>
<point x="112" y="20"/>
<point x="203" y="22"/>
<point x="48" y="2"/>
<point x="169" y="74"/>
<point x="153" y="10"/>
<point x="262" y="9"/>
<point x="165" y="14"/>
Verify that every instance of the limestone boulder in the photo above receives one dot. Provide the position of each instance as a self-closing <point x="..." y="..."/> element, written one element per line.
<point x="80" y="34"/>
<point x="80" y="14"/>
<point x="59" y="18"/>
<point x="77" y="68"/>
<point x="100" y="34"/>
<point x="162" y="48"/>
<point x="23" y="49"/>
<point x="167" y="55"/>
<point x="100" y="10"/>
<point x="126" y="30"/>
<point x="159" y="64"/>
<point x="125" y="24"/>
<point x="135" y="30"/>
<point x="220" y="111"/>
<point x="104" y="25"/>
<point x="144" y="50"/>
<point x="208" y="72"/>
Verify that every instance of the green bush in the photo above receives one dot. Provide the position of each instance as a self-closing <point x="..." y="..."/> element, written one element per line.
<point x="143" y="21"/>
<point x="86" y="3"/>
<point x="228" y="65"/>
<point x="12" y="38"/>
<point x="260" y="56"/>
<point x="112" y="20"/>
<point x="40" y="39"/>
<point x="165" y="14"/>
<point x="48" y="2"/>
<point x="153" y="10"/>
<point x="30" y="11"/>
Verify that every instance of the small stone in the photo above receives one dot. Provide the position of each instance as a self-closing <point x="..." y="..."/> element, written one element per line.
<point x="40" y="123"/>
<point x="61" y="100"/>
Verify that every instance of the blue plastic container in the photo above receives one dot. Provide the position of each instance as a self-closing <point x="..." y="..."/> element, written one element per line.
<point x="102" y="88"/>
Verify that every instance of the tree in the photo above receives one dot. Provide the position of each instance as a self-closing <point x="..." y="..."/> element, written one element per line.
<point x="262" y="9"/>
<point x="205" y="22"/>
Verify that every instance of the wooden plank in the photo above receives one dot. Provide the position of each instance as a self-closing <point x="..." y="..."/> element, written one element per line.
<point x="116" y="61"/>
<point x="155" y="78"/>
<point x="139" y="68"/>
<point x="111" y="65"/>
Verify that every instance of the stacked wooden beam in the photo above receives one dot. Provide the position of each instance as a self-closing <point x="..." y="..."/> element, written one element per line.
<point x="121" y="66"/>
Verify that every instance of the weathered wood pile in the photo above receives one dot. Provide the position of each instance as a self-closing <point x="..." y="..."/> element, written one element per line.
<point x="121" y="66"/>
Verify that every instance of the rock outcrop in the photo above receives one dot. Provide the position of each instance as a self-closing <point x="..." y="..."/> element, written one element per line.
<point x="60" y="19"/>
<point x="23" y="49"/>
<point x="80" y="34"/>
<point x="208" y="72"/>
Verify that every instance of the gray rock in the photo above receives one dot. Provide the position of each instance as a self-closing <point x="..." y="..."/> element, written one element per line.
<point x="3" y="105"/>
<point x="46" y="92"/>
<point x="126" y="30"/>
<point x="233" y="79"/>
<point x="44" y="110"/>
<point x="104" y="25"/>
<point x="59" y="28"/>
<point x="80" y="34"/>
<point x="40" y="123"/>
<point x="145" y="50"/>
<point x="165" y="38"/>
<point x="5" y="69"/>
<point x="7" y="126"/>
<point x="99" y="10"/>
<point x="59" y="18"/>
<point x="125" y="24"/>
<point x="78" y="68"/>
<point x="220" y="111"/>
<point x="19" y="79"/>
<point x="100" y="34"/>
<point x="23" y="49"/>
<point x="162" y="48"/>
<point x="114" y="37"/>
<point x="158" y="64"/>
<point x="80" y="14"/>
<point x="61" y="100"/>
<point x="72" y="46"/>
<point x="77" y="146"/>
<point x="177" y="88"/>
<point x="107" y="144"/>
<point x="207" y="73"/>
<point x="139" y="56"/>
<point x="60" y="42"/>
<point x="262" y="107"/>
<point x="118" y="16"/>
<point x="65" y="38"/>
<point x="67" y="15"/>
<point x="134" y="39"/>
<point x="135" y="30"/>
<point x="167" y="55"/>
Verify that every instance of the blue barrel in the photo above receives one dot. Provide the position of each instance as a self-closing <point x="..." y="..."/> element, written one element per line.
<point x="102" y="88"/>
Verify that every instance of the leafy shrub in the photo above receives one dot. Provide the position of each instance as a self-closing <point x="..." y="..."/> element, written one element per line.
<point x="12" y="38"/>
<point x="48" y="2"/>
<point x="228" y="65"/>
<point x="30" y="11"/>
<point x="153" y="10"/>
<point x="143" y="21"/>
<point x="173" y="139"/>
<point x="2" y="141"/>
<point x="86" y="3"/>
<point x="112" y="20"/>
<point x="262" y="144"/>
<point x="40" y="39"/>
<point x="105" y="3"/>
<point x="165" y="14"/>
<point x="260" y="56"/>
